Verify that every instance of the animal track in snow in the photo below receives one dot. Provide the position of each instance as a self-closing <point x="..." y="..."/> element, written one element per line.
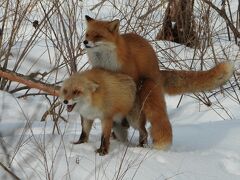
<point x="232" y="163"/>
<point x="161" y="159"/>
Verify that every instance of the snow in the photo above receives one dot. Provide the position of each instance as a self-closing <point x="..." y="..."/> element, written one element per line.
<point x="206" y="140"/>
<point x="204" y="146"/>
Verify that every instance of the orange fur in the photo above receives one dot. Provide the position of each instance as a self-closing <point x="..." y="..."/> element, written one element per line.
<point x="131" y="54"/>
<point x="100" y="94"/>
<point x="154" y="107"/>
<point x="179" y="82"/>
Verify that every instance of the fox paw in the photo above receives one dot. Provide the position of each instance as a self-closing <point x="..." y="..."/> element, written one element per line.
<point x="101" y="151"/>
<point x="143" y="145"/>
<point x="78" y="142"/>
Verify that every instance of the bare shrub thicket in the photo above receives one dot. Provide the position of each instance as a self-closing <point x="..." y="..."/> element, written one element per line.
<point x="41" y="39"/>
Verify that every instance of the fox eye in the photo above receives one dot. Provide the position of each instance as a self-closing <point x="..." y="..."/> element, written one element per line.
<point x="98" y="36"/>
<point x="76" y="92"/>
<point x="64" y="91"/>
<point x="87" y="35"/>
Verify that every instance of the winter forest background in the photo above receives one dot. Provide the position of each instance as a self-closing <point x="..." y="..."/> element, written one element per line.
<point x="41" y="45"/>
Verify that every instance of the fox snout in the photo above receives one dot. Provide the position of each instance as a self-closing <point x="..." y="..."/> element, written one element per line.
<point x="88" y="44"/>
<point x="70" y="105"/>
<point x="85" y="42"/>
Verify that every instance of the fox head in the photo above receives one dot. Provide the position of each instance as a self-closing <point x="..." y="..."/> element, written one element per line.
<point x="77" y="89"/>
<point x="101" y="33"/>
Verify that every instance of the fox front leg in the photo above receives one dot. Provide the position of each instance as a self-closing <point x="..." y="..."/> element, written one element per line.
<point x="86" y="128"/>
<point x="106" y="132"/>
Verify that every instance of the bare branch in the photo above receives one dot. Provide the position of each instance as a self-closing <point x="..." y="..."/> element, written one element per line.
<point x="10" y="172"/>
<point x="223" y="14"/>
<point x="30" y="82"/>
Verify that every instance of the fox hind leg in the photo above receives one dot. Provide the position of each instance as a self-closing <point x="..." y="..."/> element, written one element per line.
<point x="120" y="130"/>
<point x="154" y="108"/>
<point x="143" y="134"/>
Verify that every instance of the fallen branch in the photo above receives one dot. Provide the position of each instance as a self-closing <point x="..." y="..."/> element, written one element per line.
<point x="30" y="82"/>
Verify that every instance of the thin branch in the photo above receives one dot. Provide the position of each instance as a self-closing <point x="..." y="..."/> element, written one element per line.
<point x="97" y="5"/>
<point x="223" y="14"/>
<point x="151" y="10"/>
<point x="9" y="172"/>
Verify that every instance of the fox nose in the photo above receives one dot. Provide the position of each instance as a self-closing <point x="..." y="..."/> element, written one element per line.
<point x="65" y="101"/>
<point x="85" y="42"/>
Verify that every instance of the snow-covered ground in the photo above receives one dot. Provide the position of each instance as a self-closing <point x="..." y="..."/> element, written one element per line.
<point x="206" y="140"/>
<point x="204" y="145"/>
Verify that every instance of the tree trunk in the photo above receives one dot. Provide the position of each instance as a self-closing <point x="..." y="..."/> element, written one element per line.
<point x="178" y="23"/>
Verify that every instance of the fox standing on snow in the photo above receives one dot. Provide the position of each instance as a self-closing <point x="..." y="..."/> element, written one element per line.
<point x="99" y="94"/>
<point x="132" y="55"/>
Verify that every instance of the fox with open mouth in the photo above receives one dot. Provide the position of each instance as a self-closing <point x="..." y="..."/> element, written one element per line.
<point x="102" y="94"/>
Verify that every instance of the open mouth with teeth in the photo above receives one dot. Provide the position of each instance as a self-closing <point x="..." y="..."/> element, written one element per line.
<point x="70" y="107"/>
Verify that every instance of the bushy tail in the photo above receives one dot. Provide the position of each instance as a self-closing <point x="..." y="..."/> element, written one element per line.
<point x="178" y="82"/>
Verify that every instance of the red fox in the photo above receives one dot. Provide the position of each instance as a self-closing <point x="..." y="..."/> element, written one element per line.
<point x="102" y="94"/>
<point x="131" y="54"/>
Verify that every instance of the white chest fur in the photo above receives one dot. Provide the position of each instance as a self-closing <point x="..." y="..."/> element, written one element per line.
<point x="88" y="111"/>
<point x="104" y="57"/>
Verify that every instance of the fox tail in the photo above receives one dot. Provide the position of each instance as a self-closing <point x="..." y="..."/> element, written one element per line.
<point x="179" y="82"/>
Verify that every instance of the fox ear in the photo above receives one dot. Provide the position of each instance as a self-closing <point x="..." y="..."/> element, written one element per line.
<point x="93" y="86"/>
<point x="114" y="25"/>
<point x="88" y="18"/>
